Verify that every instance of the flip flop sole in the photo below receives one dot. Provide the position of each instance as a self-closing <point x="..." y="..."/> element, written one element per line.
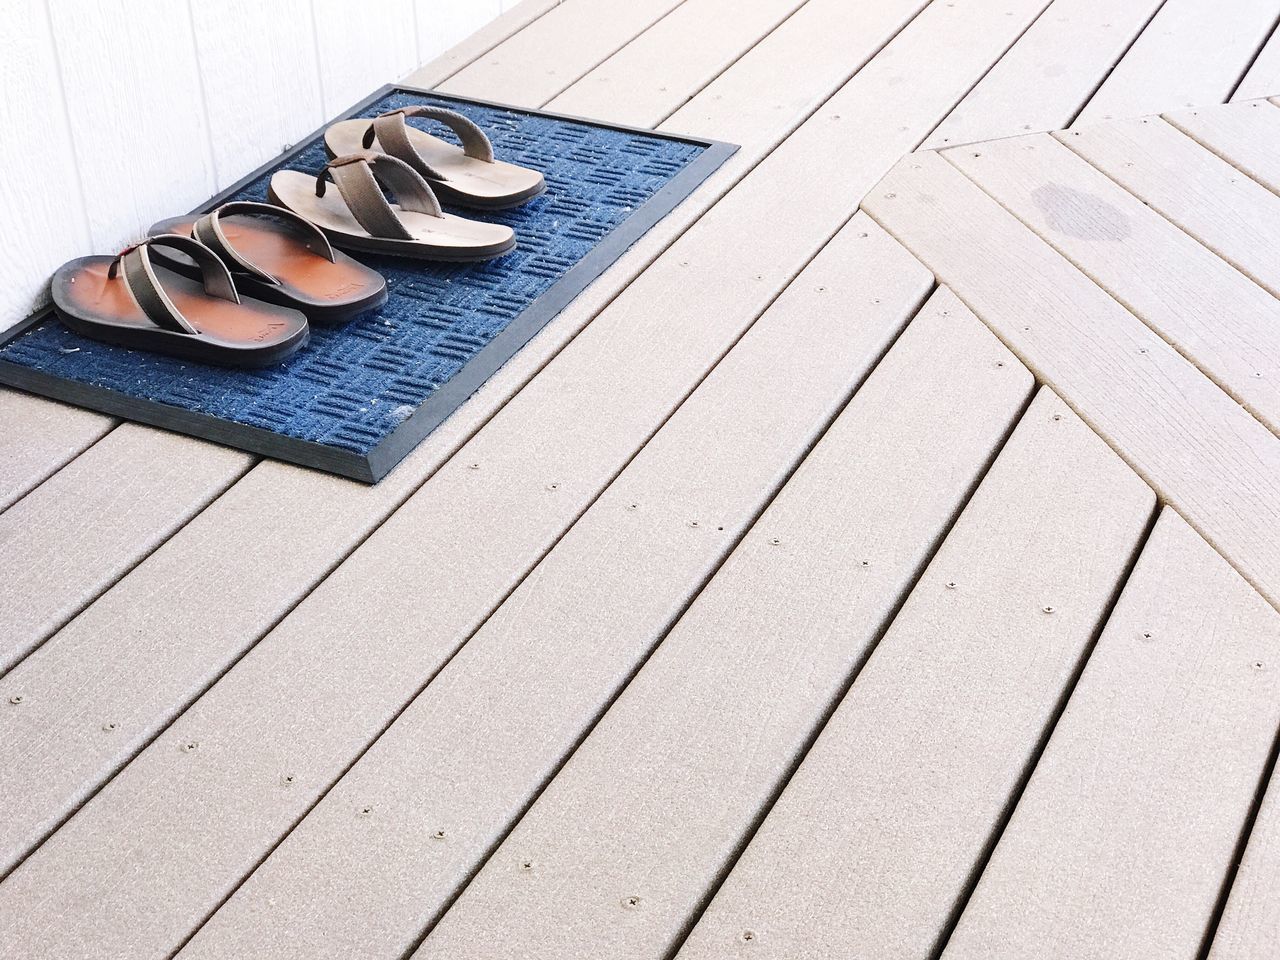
<point x="248" y="334"/>
<point x="330" y="312"/>
<point x="456" y="198"/>
<point x="460" y="240"/>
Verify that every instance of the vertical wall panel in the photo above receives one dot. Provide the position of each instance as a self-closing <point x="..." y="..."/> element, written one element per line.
<point x="260" y="79"/>
<point x="140" y="109"/>
<point x="41" y="211"/>
<point x="357" y="56"/>
<point x="132" y="84"/>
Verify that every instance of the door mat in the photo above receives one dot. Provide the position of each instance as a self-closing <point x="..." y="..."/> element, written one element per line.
<point x="361" y="396"/>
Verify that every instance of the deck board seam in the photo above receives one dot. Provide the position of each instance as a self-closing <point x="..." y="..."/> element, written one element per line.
<point x="1253" y="59"/>
<point x="499" y="41"/>
<point x="1199" y="528"/>
<point x="824" y="718"/>
<point x="996" y="62"/>
<point x="1171" y="119"/>
<point x="92" y="597"/>
<point x="1177" y="347"/>
<point x="1160" y="119"/>
<point x="108" y="426"/>
<point x="730" y="64"/>
<point x="1002" y="823"/>
<point x="632" y="39"/>
<point x="1237" y="857"/>
<point x="1106" y="76"/>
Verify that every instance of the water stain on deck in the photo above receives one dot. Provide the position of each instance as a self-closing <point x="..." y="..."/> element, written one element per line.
<point x="1076" y="213"/>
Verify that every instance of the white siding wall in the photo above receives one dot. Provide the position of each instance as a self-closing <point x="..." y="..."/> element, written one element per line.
<point x="115" y="113"/>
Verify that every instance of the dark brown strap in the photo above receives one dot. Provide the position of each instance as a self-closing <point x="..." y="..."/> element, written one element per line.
<point x="360" y="178"/>
<point x="140" y="276"/>
<point x="208" y="230"/>
<point x="393" y="135"/>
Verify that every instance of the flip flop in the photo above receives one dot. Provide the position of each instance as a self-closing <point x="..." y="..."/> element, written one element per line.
<point x="277" y="256"/>
<point x="359" y="217"/>
<point x="130" y="301"/>
<point x="468" y="176"/>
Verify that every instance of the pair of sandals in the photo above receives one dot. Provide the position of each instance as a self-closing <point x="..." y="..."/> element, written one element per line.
<point x="238" y="286"/>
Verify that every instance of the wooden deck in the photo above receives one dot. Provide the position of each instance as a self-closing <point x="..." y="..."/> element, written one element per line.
<point x="882" y="559"/>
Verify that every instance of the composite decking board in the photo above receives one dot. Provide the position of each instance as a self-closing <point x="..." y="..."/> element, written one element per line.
<point x="553" y="51"/>
<point x="1214" y="315"/>
<point x="460" y="55"/>
<point x="558" y="650"/>
<point x="1126" y="831"/>
<point x="52" y="540"/>
<point x="631" y="835"/>
<point x="1263" y="78"/>
<point x="1234" y="216"/>
<point x="541" y="460"/>
<point x="694" y="43"/>
<point x="872" y="846"/>
<point x="107" y="654"/>
<point x="39" y="438"/>
<point x="1249" y="928"/>
<point x="88" y="524"/>
<point x="752" y="84"/>
<point x="1192" y="54"/>
<point x="1245" y="135"/>
<point x="1049" y="74"/>
<point x="1218" y="465"/>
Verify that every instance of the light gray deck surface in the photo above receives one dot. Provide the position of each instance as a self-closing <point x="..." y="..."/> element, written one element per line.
<point x="881" y="559"/>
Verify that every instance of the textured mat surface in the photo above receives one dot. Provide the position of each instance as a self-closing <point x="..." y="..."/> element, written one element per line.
<point x="351" y="386"/>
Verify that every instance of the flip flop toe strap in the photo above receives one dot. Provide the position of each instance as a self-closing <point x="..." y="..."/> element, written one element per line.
<point x="392" y="133"/>
<point x="360" y="178"/>
<point x="209" y="231"/>
<point x="140" y="277"/>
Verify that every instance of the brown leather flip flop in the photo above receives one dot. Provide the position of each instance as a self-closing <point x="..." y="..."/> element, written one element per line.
<point x="469" y="176"/>
<point x="277" y="256"/>
<point x="358" y="216"/>
<point x="131" y="301"/>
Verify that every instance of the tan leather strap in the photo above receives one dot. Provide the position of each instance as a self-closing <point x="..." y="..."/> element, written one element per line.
<point x="360" y="178"/>
<point x="393" y="135"/>
<point x="208" y="230"/>
<point x="140" y="276"/>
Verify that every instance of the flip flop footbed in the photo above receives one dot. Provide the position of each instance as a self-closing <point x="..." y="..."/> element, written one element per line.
<point x="327" y="291"/>
<point x="249" y="333"/>
<point x="467" y="181"/>
<point x="439" y="238"/>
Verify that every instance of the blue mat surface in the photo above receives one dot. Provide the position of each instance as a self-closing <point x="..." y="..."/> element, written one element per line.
<point x="353" y="385"/>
